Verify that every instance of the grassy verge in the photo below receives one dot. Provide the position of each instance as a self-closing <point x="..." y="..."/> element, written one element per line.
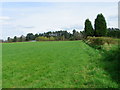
<point x="110" y="52"/>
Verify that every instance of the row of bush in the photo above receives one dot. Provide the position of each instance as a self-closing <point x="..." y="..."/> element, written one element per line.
<point x="101" y="40"/>
<point x="45" y="39"/>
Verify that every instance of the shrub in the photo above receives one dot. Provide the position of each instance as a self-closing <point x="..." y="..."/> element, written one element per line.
<point x="52" y="39"/>
<point x="101" y="40"/>
<point x="45" y="39"/>
<point x="42" y="39"/>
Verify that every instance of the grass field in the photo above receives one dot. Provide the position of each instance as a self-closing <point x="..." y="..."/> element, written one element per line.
<point x="57" y="64"/>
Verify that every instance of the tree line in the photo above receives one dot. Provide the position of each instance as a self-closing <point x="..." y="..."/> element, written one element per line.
<point x="99" y="30"/>
<point x="48" y="36"/>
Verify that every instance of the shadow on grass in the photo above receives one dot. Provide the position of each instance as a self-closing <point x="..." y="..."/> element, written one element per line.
<point x="111" y="60"/>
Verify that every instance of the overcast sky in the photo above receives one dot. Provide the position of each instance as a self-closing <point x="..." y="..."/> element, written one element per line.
<point x="20" y="18"/>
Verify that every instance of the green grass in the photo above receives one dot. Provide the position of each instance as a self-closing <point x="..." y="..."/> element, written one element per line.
<point x="57" y="64"/>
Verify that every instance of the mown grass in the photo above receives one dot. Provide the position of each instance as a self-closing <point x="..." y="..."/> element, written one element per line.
<point x="58" y="64"/>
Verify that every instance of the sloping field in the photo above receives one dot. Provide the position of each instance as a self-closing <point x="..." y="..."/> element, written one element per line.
<point x="57" y="64"/>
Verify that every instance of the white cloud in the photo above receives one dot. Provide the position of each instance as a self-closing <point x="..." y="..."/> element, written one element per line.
<point x="4" y="18"/>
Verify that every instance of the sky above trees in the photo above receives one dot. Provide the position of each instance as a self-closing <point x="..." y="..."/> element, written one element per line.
<point x="20" y="18"/>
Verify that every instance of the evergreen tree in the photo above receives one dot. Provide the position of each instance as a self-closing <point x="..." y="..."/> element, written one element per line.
<point x="88" y="28"/>
<point x="74" y="31"/>
<point x="100" y="26"/>
<point x="15" y="39"/>
<point x="9" y="39"/>
<point x="30" y="37"/>
<point x="36" y="35"/>
<point x="22" y="38"/>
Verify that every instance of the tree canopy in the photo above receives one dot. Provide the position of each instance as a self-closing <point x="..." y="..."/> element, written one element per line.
<point x="100" y="26"/>
<point x="89" y="28"/>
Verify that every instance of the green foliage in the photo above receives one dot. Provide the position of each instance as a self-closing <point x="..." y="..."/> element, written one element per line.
<point x="63" y="64"/>
<point x="111" y="61"/>
<point x="96" y="40"/>
<point x="30" y="37"/>
<point x="100" y="26"/>
<point x="71" y="38"/>
<point x="84" y="36"/>
<point x="9" y="39"/>
<point x="113" y="32"/>
<point x="101" y="40"/>
<point x="88" y="28"/>
<point x="22" y="38"/>
<point x="36" y="35"/>
<point x="45" y="39"/>
<point x="76" y="35"/>
<point x="74" y="31"/>
<point x="51" y="39"/>
<point x="15" y="39"/>
<point x="42" y="39"/>
<point x="57" y="35"/>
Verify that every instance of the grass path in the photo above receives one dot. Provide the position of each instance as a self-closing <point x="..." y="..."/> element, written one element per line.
<point x="64" y="64"/>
